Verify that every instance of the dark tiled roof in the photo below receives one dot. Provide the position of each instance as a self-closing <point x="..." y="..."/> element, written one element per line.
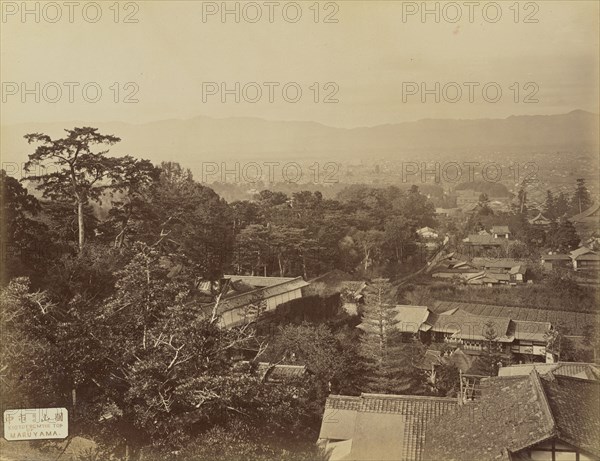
<point x="556" y="257"/>
<point x="281" y="373"/>
<point x="589" y="215"/>
<point x="589" y="257"/>
<point x="511" y="414"/>
<point x="574" y="321"/>
<point x="575" y="406"/>
<point x="343" y="402"/>
<point x="330" y="283"/>
<point x="516" y="413"/>
<point x="457" y="358"/>
<point x="498" y="263"/>
<point x="277" y="373"/>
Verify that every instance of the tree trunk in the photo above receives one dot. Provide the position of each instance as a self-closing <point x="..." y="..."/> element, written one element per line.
<point x="80" y="223"/>
<point x="304" y="267"/>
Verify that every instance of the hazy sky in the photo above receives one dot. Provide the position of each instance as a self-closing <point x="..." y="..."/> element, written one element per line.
<point x="370" y="55"/>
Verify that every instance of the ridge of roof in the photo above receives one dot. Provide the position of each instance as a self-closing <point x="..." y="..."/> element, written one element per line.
<point x="538" y="388"/>
<point x="406" y="397"/>
<point x="224" y="307"/>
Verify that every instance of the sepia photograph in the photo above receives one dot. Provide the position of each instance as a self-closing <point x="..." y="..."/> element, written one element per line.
<point x="310" y="230"/>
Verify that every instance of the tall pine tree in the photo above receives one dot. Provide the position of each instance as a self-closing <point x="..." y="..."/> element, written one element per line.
<point x="390" y="357"/>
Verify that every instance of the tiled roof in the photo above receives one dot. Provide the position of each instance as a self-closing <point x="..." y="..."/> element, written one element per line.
<point x="330" y="283"/>
<point x="275" y="287"/>
<point x="500" y="263"/>
<point x="465" y="325"/>
<point x="574" y="321"/>
<point x="277" y="373"/>
<point x="589" y="257"/>
<point x="575" y="254"/>
<point x="411" y="318"/>
<point x="589" y="215"/>
<point x="500" y="230"/>
<point x="520" y="269"/>
<point x="486" y="277"/>
<point x="281" y="373"/>
<point x="575" y="407"/>
<point x="475" y="239"/>
<point x="560" y="257"/>
<point x="524" y="330"/>
<point x="539" y="217"/>
<point x="457" y="358"/>
<point x="573" y="369"/>
<point x="385" y="427"/>
<point x="516" y="413"/>
<point x="339" y="417"/>
<point x="257" y="280"/>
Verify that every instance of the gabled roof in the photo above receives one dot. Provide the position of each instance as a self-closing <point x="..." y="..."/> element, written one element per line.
<point x="275" y="372"/>
<point x="500" y="230"/>
<point x="281" y="373"/>
<point x="539" y="217"/>
<point x="575" y="254"/>
<point x="556" y="257"/>
<point x="497" y="263"/>
<point x="468" y="207"/>
<point x="575" y="322"/>
<point x="514" y="414"/>
<point x="475" y="239"/>
<point x="335" y="275"/>
<point x="411" y="319"/>
<point x="524" y="330"/>
<point x="573" y="369"/>
<point x="382" y="427"/>
<point x="486" y="277"/>
<point x="574" y="406"/>
<point x="463" y="325"/>
<point x="457" y="358"/>
<point x="589" y="257"/>
<point x="520" y="269"/>
<point x="426" y="229"/>
<point x="589" y="215"/>
<point x="331" y="282"/>
<point x="265" y="287"/>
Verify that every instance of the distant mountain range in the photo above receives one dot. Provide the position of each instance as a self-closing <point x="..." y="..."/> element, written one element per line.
<point x="204" y="139"/>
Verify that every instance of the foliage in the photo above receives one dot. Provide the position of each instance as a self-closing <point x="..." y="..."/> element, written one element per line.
<point x="71" y="172"/>
<point x="24" y="239"/>
<point x="447" y="380"/>
<point x="390" y="355"/>
<point x="582" y="199"/>
<point x="332" y="358"/>
<point x="491" y="357"/>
